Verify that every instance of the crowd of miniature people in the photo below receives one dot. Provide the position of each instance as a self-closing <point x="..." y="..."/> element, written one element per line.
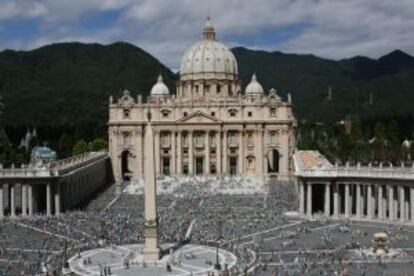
<point x="237" y="223"/>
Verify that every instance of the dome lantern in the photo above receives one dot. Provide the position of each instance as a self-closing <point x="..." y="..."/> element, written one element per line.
<point x="208" y="31"/>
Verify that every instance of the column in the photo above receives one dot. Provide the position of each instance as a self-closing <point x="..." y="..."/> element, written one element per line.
<point x="369" y="202"/>
<point x="207" y="152"/>
<point x="24" y="200"/>
<point x="259" y="152"/>
<point x="309" y="200"/>
<point x="402" y="203"/>
<point x="336" y="199"/>
<point x="1" y="202"/>
<point x="190" y="152"/>
<point x="327" y="203"/>
<point x="224" y="171"/>
<point x="157" y="152"/>
<point x="358" y="200"/>
<point x="12" y="202"/>
<point x="301" y="198"/>
<point x="218" y="152"/>
<point x="395" y="206"/>
<point x="347" y="205"/>
<point x="241" y="152"/>
<point x="173" y="169"/>
<point x="390" y="202"/>
<point x="48" y="200"/>
<point x="57" y="199"/>
<point x="30" y="196"/>
<point x="380" y="203"/>
<point x="412" y="204"/>
<point x="179" y="164"/>
<point x="139" y="154"/>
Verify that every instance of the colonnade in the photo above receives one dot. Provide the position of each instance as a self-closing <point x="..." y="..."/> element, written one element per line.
<point x="52" y="195"/>
<point x="361" y="200"/>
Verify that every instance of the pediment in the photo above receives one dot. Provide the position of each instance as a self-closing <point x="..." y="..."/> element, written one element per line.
<point x="199" y="117"/>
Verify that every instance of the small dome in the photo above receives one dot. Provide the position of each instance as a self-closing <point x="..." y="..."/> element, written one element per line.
<point x="160" y="89"/>
<point x="254" y="87"/>
<point x="208" y="57"/>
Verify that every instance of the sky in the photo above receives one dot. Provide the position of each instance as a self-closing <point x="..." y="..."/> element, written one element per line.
<point x="166" y="28"/>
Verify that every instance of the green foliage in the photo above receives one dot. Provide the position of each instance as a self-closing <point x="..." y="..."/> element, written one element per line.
<point x="9" y="156"/>
<point x="69" y="84"/>
<point x="99" y="144"/>
<point x="390" y="79"/>
<point x="332" y="141"/>
<point x="80" y="147"/>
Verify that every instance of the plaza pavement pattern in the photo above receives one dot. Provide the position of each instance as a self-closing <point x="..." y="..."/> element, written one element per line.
<point x="187" y="260"/>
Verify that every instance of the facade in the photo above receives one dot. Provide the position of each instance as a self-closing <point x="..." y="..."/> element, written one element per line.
<point x="209" y="126"/>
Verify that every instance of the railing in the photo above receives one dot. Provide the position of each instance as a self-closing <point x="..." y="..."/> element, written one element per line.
<point x="364" y="172"/>
<point x="54" y="168"/>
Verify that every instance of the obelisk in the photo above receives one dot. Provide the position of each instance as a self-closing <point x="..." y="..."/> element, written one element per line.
<point x="151" y="251"/>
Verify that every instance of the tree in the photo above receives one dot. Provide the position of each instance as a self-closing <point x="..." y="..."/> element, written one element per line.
<point x="65" y="145"/>
<point x="80" y="147"/>
<point x="99" y="144"/>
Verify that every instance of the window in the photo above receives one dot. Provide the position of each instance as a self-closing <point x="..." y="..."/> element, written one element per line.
<point x="232" y="112"/>
<point x="218" y="88"/>
<point x="185" y="114"/>
<point x="213" y="114"/>
<point x="207" y="88"/>
<point x="127" y="113"/>
<point x="249" y="114"/>
<point x="273" y="112"/>
<point x="165" y="113"/>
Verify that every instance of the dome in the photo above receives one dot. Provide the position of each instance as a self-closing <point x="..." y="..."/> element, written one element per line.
<point x="208" y="57"/>
<point x="160" y="89"/>
<point x="254" y="87"/>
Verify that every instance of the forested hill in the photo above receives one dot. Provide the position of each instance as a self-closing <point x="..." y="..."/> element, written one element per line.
<point x="68" y="84"/>
<point x="390" y="80"/>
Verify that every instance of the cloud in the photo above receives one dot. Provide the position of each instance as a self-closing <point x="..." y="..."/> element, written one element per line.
<point x="328" y="28"/>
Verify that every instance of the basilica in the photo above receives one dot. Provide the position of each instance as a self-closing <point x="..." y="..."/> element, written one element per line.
<point x="209" y="126"/>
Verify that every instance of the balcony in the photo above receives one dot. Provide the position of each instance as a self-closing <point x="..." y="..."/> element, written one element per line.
<point x="165" y="145"/>
<point x="199" y="145"/>
<point x="233" y="145"/>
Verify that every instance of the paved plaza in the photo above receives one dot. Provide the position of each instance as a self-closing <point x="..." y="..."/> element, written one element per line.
<point x="253" y="228"/>
<point x="127" y="260"/>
